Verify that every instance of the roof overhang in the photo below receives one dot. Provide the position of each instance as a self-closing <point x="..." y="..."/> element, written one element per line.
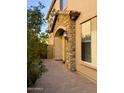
<point x="51" y="6"/>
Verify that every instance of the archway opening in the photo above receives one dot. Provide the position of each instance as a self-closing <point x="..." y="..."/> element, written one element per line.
<point x="60" y="45"/>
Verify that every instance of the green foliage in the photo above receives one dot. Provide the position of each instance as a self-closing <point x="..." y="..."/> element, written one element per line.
<point x="35" y="70"/>
<point x="43" y="45"/>
<point x="35" y="19"/>
<point x="44" y="38"/>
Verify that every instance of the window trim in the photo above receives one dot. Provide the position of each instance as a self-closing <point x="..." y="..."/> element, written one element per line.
<point x="81" y="62"/>
<point x="84" y="41"/>
<point x="89" y="65"/>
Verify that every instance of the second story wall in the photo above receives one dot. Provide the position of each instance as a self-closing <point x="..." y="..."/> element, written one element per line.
<point x="88" y="8"/>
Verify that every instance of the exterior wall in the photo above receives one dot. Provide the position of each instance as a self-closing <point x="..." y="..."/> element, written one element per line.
<point x="58" y="48"/>
<point x="60" y="24"/>
<point x="50" y="51"/>
<point x="90" y="70"/>
<point x="51" y="39"/>
<point x="63" y="48"/>
<point x="51" y="35"/>
<point x="67" y="25"/>
<point x="87" y="8"/>
<point x="57" y="5"/>
<point x="88" y="11"/>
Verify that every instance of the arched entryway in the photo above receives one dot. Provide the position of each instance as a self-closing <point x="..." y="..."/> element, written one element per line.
<point x="59" y="45"/>
<point x="64" y="48"/>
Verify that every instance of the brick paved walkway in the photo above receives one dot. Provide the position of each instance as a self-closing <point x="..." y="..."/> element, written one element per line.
<point x="59" y="79"/>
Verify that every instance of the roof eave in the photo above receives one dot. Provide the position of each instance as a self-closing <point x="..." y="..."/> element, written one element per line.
<point x="51" y="6"/>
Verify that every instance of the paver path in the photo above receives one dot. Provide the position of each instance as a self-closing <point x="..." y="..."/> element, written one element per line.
<point x="59" y="79"/>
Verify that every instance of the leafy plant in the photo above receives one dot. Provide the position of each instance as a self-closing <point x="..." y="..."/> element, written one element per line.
<point x="35" y="70"/>
<point x="35" y="20"/>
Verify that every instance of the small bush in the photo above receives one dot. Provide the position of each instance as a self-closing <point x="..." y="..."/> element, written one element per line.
<point x="35" y="70"/>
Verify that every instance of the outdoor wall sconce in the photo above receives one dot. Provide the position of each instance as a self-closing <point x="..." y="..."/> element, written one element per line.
<point x="65" y="34"/>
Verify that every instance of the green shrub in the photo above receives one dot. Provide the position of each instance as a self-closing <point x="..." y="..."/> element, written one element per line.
<point x="35" y="67"/>
<point x="35" y="70"/>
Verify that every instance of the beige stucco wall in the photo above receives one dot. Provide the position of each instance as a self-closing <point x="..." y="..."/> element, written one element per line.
<point x="89" y="69"/>
<point x="88" y="9"/>
<point x="50" y="51"/>
<point x="58" y="48"/>
<point x="57" y="5"/>
<point x="63" y="48"/>
<point x="51" y="35"/>
<point x="51" y="39"/>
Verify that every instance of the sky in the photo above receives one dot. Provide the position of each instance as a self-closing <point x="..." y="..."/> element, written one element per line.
<point x="46" y="3"/>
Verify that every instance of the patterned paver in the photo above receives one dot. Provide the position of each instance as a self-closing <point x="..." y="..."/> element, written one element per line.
<point x="59" y="79"/>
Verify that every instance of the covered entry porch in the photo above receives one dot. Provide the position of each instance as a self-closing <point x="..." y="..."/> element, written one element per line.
<point x="63" y="30"/>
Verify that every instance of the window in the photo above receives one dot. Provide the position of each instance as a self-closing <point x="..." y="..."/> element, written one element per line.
<point x="86" y="42"/>
<point x="64" y="4"/>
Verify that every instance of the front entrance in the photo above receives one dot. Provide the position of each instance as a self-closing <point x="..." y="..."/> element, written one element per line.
<point x="59" y="46"/>
<point x="64" y="31"/>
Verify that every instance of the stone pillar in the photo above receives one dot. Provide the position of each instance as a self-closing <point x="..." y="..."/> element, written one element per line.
<point x="71" y="46"/>
<point x="67" y="19"/>
<point x="71" y="42"/>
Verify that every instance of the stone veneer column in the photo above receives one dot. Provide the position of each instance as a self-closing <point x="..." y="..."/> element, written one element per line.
<point x="71" y="45"/>
<point x="67" y="20"/>
<point x="72" y="41"/>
